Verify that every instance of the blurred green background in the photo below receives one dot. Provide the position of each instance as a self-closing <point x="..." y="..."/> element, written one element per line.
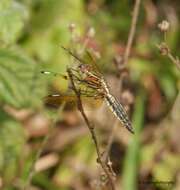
<point x="31" y="33"/>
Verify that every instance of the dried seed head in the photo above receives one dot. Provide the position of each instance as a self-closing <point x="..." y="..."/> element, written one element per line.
<point x="163" y="26"/>
<point x="72" y="26"/>
<point x="91" y="32"/>
<point x="164" y="49"/>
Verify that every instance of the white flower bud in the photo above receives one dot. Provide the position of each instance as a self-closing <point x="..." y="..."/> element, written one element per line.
<point x="91" y="32"/>
<point x="72" y="26"/>
<point x="163" y="26"/>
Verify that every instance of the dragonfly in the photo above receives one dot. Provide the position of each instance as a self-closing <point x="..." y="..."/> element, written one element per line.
<point x="91" y="84"/>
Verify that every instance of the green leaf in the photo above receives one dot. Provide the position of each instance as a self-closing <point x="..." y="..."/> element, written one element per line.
<point x="12" y="17"/>
<point x="12" y="140"/>
<point x="20" y="85"/>
<point x="130" y="171"/>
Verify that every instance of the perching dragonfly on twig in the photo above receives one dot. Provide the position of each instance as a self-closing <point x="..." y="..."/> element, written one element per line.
<point x="91" y="84"/>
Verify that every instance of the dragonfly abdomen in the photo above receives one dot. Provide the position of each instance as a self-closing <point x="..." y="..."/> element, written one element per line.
<point x="119" y="111"/>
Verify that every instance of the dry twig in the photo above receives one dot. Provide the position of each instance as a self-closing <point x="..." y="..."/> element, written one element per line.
<point x="91" y="129"/>
<point x="163" y="47"/>
<point x="132" y="30"/>
<point x="164" y="50"/>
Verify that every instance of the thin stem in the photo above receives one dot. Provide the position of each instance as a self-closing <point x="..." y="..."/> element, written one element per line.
<point x="174" y="60"/>
<point x="32" y="169"/>
<point x="164" y="50"/>
<point x="91" y="129"/>
<point x="132" y="30"/>
<point x="165" y="36"/>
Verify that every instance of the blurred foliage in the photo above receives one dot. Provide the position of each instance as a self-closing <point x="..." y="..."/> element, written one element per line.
<point x="66" y="174"/>
<point x="12" y="20"/>
<point x="12" y="140"/>
<point x="16" y="67"/>
<point x="130" y="178"/>
<point x="31" y="33"/>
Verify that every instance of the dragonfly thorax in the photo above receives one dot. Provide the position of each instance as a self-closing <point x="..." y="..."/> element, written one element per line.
<point x="93" y="78"/>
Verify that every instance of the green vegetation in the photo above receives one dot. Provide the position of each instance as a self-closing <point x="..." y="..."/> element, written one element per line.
<point x="31" y="35"/>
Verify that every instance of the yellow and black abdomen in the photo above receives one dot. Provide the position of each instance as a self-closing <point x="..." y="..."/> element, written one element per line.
<point x="119" y="111"/>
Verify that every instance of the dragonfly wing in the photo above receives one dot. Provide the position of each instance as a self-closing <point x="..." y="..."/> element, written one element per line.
<point x="91" y="103"/>
<point x="55" y="74"/>
<point x="92" y="61"/>
<point x="71" y="101"/>
<point x="86" y="59"/>
<point x="60" y="99"/>
<point x="91" y="97"/>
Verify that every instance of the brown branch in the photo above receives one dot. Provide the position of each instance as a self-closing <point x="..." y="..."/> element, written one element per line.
<point x="164" y="50"/>
<point x="132" y="30"/>
<point x="163" y="47"/>
<point x="174" y="60"/>
<point x="91" y="129"/>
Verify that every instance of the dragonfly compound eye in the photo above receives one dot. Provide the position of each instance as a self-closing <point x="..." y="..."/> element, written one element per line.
<point x="84" y="68"/>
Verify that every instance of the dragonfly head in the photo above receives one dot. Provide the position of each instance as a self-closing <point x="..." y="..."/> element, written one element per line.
<point x="85" y="68"/>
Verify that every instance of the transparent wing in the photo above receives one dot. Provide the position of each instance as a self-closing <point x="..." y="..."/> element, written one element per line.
<point x="57" y="100"/>
<point x="92" y="62"/>
<point x="88" y="59"/>
<point x="89" y="100"/>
